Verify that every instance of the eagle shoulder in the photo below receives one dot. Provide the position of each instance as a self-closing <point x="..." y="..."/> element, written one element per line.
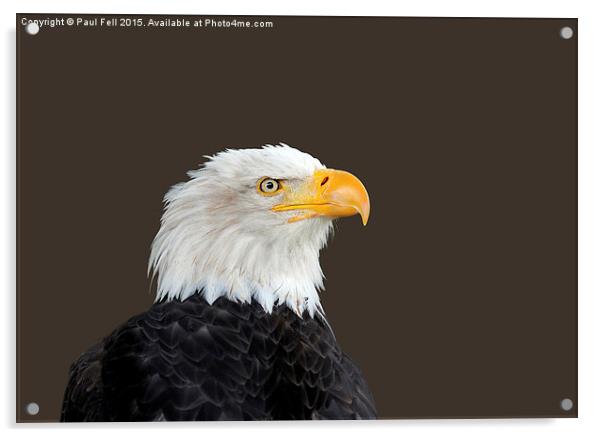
<point x="84" y="393"/>
<point x="190" y="360"/>
<point x="316" y="380"/>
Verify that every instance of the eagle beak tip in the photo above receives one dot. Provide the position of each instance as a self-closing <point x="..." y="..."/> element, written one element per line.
<point x="365" y="215"/>
<point x="363" y="209"/>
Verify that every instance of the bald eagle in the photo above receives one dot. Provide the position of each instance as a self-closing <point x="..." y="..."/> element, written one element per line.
<point x="237" y="331"/>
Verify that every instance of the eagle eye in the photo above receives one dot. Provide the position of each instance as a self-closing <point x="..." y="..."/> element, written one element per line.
<point x="269" y="186"/>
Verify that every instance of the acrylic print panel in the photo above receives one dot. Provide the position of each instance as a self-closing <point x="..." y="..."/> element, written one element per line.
<point x="452" y="140"/>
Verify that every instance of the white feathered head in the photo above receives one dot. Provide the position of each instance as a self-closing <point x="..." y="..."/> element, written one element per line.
<point x="249" y="224"/>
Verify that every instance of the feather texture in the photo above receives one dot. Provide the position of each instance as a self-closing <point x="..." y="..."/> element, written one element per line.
<point x="219" y="237"/>
<point x="191" y="360"/>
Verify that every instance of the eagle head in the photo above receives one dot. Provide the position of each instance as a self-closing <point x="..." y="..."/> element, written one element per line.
<point x="250" y="224"/>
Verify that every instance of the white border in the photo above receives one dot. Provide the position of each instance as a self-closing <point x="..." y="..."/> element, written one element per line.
<point x="590" y="211"/>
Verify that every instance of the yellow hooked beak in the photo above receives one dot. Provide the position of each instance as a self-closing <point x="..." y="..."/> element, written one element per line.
<point x="330" y="193"/>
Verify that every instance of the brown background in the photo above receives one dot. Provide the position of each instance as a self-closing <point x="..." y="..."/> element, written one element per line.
<point x="457" y="300"/>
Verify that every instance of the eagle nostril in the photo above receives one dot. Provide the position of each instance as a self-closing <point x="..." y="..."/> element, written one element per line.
<point x="324" y="181"/>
